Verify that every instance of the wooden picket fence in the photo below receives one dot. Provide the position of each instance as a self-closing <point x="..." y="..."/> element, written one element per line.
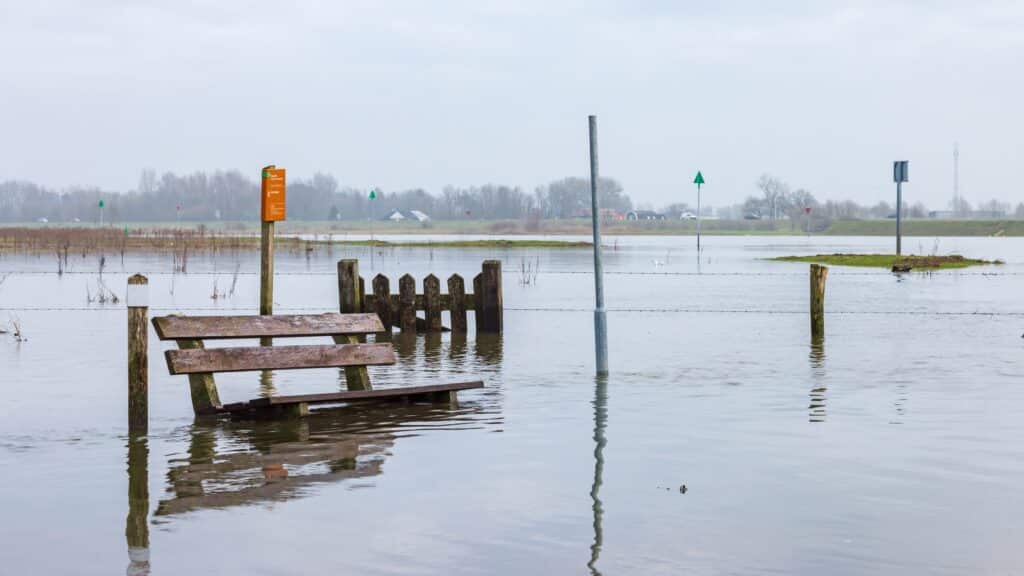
<point x="399" y="310"/>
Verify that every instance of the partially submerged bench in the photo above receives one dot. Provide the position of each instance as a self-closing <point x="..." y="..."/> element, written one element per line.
<point x="200" y="364"/>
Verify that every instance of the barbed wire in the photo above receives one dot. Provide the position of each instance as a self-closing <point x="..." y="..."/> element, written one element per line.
<point x="252" y="310"/>
<point x="832" y="272"/>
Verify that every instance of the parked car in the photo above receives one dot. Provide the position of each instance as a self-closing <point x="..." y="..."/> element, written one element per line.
<point x="687" y="216"/>
<point x="751" y="216"/>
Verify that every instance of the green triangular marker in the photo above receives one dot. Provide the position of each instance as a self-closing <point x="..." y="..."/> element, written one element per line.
<point x="699" y="179"/>
<point x="101" y="203"/>
<point x="373" y="194"/>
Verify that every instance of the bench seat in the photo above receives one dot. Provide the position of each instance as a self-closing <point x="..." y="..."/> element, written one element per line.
<point x="410" y="393"/>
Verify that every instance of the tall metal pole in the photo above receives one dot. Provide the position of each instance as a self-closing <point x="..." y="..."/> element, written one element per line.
<point x="899" y="216"/>
<point x="956" y="178"/>
<point x="372" y="192"/>
<point x="698" y="217"/>
<point x="600" y="320"/>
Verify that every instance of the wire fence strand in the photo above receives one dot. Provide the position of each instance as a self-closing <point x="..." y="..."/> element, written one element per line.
<point x="578" y="310"/>
<point x="832" y="272"/>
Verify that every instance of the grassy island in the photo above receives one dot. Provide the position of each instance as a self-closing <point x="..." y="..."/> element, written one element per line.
<point x="893" y="262"/>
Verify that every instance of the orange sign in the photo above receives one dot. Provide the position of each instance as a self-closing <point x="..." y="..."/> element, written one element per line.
<point x="272" y="189"/>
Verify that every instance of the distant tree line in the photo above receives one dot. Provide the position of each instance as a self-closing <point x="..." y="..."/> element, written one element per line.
<point x="229" y="195"/>
<point x="779" y="201"/>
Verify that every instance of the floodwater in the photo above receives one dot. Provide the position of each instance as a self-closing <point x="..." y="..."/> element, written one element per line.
<point x="894" y="446"/>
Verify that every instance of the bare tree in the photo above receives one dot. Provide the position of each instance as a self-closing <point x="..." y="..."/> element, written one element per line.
<point x="774" y="190"/>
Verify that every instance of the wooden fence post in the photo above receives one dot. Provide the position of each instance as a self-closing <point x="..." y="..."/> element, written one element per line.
<point x="432" y="302"/>
<point x="382" y="301"/>
<point x="457" y="299"/>
<point x="267" y="269"/>
<point x="349" y="301"/>
<point x="361" y="302"/>
<point x="478" y="319"/>
<point x="818" y="275"/>
<point x="488" y="300"/>
<point x="137" y="298"/>
<point x="407" y="304"/>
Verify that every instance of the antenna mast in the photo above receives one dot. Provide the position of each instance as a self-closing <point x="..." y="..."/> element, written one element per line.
<point x="956" y="178"/>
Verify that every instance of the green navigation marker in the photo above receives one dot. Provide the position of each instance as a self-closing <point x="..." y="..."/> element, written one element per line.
<point x="698" y="180"/>
<point x="101" y="203"/>
<point x="373" y="194"/>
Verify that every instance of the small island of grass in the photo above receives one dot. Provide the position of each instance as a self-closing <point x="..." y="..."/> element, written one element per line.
<point x="893" y="262"/>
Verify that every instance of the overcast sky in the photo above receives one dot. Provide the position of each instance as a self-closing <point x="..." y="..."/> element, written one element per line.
<point x="413" y="93"/>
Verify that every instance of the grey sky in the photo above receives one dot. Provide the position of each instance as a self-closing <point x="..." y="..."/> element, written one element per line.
<point x="414" y="93"/>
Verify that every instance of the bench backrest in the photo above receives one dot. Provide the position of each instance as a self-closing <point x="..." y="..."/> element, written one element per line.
<point x="239" y="327"/>
<point x="193" y="358"/>
<point x="201" y="361"/>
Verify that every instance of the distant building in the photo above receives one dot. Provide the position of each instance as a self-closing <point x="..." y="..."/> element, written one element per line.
<point x="644" y="215"/>
<point x="399" y="216"/>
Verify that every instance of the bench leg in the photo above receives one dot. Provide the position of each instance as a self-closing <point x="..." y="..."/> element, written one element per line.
<point x="356" y="377"/>
<point x="277" y="412"/>
<point x="448" y="397"/>
<point x="205" y="399"/>
<point x="292" y="410"/>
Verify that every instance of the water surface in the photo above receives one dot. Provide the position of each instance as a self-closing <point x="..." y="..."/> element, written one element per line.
<point x="892" y="447"/>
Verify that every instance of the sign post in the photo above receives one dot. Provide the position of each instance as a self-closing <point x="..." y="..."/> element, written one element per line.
<point x="272" y="209"/>
<point x="699" y="181"/>
<point x="101" y="213"/>
<point x="900" y="174"/>
<point x="807" y="210"/>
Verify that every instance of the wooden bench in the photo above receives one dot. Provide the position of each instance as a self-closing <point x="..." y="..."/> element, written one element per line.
<point x="200" y="363"/>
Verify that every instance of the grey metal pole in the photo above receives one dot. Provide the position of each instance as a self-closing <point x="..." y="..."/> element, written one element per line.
<point x="899" y="217"/>
<point x="600" y="319"/>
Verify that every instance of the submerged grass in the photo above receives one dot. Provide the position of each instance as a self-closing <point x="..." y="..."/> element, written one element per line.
<point x="495" y="243"/>
<point x="891" y="261"/>
<point x="62" y="241"/>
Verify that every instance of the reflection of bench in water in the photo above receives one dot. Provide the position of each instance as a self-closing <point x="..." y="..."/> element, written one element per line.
<point x="283" y="471"/>
<point x="238" y="463"/>
<point x="201" y="364"/>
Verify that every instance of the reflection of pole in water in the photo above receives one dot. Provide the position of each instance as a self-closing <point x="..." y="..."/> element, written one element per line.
<point x="267" y="384"/>
<point x="457" y="351"/>
<point x="817" y="360"/>
<point x="600" y="422"/>
<point x="489" y="350"/>
<point x="432" y="349"/>
<point x="136" y="530"/>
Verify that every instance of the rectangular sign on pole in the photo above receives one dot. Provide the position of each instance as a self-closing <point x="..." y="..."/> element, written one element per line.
<point x="272" y="193"/>
<point x="901" y="171"/>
